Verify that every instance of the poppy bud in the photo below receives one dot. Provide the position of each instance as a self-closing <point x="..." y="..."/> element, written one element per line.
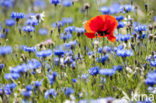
<point x="136" y="7"/>
<point x="146" y="7"/>
<point x="86" y="6"/>
<point x="150" y="37"/>
<point x="153" y="53"/>
<point x="51" y="32"/>
<point x="132" y="40"/>
<point x="150" y="27"/>
<point x="101" y="86"/>
<point x="135" y="35"/>
<point x="132" y="46"/>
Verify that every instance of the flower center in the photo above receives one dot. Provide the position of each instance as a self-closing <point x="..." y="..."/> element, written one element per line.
<point x="103" y="33"/>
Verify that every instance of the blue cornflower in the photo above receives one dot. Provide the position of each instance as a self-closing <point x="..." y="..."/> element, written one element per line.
<point x="107" y="72"/>
<point x="128" y="8"/>
<point x="153" y="63"/>
<point x="120" y="47"/>
<point x="32" y="22"/>
<point x="104" y="49"/>
<point x="33" y="64"/>
<point x="142" y="36"/>
<point x="125" y="37"/>
<point x="7" y="3"/>
<point x="17" y="16"/>
<point x="124" y="53"/>
<point x="19" y="69"/>
<point x="120" y="25"/>
<point x="29" y="49"/>
<point x="90" y="53"/>
<point x="59" y="52"/>
<point x="50" y="94"/>
<point x="105" y="10"/>
<point x="38" y="84"/>
<point x="103" y="59"/>
<point x="66" y="36"/>
<point x="67" y="20"/>
<point x="70" y="44"/>
<point x="151" y="78"/>
<point x="140" y="28"/>
<point x="113" y="8"/>
<point x="55" y="2"/>
<point x="67" y="3"/>
<point x="29" y="87"/>
<point x="0" y="27"/>
<point x="26" y="93"/>
<point x="79" y="30"/>
<point x="1" y="66"/>
<point x="84" y="76"/>
<point x="9" y="76"/>
<point x="28" y="29"/>
<point x="94" y="71"/>
<point x="74" y="80"/>
<point x="119" y="68"/>
<point x="69" y="29"/>
<point x="5" y="50"/>
<point x="68" y="91"/>
<point x="154" y="18"/>
<point x="40" y="3"/>
<point x="10" y="22"/>
<point x="44" y="53"/>
<point x="8" y="89"/>
<point x="119" y="18"/>
<point x="43" y="31"/>
<point x="52" y="77"/>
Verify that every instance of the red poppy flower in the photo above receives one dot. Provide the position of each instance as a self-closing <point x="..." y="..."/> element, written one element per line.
<point x="101" y="26"/>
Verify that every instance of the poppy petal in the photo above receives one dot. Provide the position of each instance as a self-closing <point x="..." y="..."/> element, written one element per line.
<point x="111" y="23"/>
<point x="90" y="35"/>
<point x="87" y="27"/>
<point x="111" y="37"/>
<point x="96" y="23"/>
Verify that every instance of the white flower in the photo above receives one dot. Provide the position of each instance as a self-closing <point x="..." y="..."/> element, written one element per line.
<point x="39" y="17"/>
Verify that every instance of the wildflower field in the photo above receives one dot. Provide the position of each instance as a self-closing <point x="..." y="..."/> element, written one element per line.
<point x="77" y="51"/>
